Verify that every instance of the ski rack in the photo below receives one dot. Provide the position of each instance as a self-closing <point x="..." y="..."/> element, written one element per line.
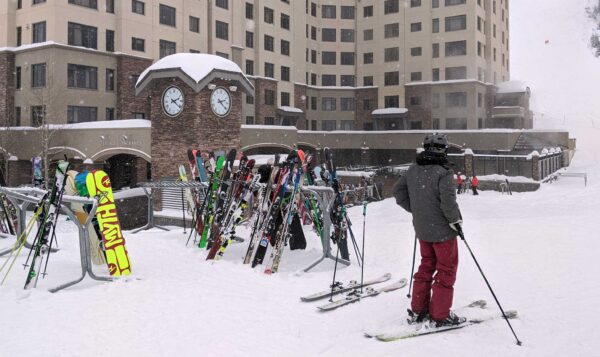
<point x="324" y="196"/>
<point x="159" y="185"/>
<point x="32" y="196"/>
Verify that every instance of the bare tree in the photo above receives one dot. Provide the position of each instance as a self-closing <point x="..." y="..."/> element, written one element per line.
<point x="594" y="14"/>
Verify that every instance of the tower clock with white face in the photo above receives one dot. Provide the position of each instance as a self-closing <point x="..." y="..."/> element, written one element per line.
<point x="172" y="101"/>
<point x="220" y="102"/>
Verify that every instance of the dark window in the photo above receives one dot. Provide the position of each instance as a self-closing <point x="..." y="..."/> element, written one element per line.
<point x="269" y="70"/>
<point x="391" y="54"/>
<point x="19" y="6"/>
<point x="368" y="104"/>
<point x="391" y="6"/>
<point x="435" y="123"/>
<point x="285" y="47"/>
<point x="38" y="75"/>
<point x="347" y="104"/>
<point x="328" y="11"/>
<point x="368" y="58"/>
<point x="313" y="33"/>
<point x="285" y="73"/>
<point x="167" y="48"/>
<point x="249" y="67"/>
<point x="328" y="125"/>
<point x="222" y="54"/>
<point x="456" y="123"/>
<point x="38" y="1"/>
<point x="249" y="11"/>
<point x="110" y="114"/>
<point x="269" y="43"/>
<point x="222" y="30"/>
<point x="249" y="120"/>
<point x="416" y="100"/>
<point x="455" y="2"/>
<point x="391" y="78"/>
<point x="435" y="25"/>
<point x="110" y="6"/>
<point x="85" y="77"/>
<point x="92" y="4"/>
<point x="435" y="74"/>
<point x="269" y="97"/>
<point x="456" y="72"/>
<point x="18" y="78"/>
<point x="328" y="57"/>
<point x="110" y="41"/>
<point x="328" y="35"/>
<point x="194" y="51"/>
<point x="138" y="7"/>
<point x="347" y="35"/>
<point x="224" y="4"/>
<point x="391" y="101"/>
<point x="415" y="27"/>
<point x="391" y="30"/>
<point x="269" y="15"/>
<point x="347" y="12"/>
<point x="37" y="115"/>
<point x="329" y="80"/>
<point x="194" y="24"/>
<point x="138" y="115"/>
<point x="416" y="76"/>
<point x="110" y="79"/>
<point x="328" y="104"/>
<point x="367" y="81"/>
<point x="313" y="79"/>
<point x="456" y="99"/>
<point x="435" y="50"/>
<point x="415" y="3"/>
<point x="249" y="99"/>
<point x="269" y="121"/>
<point x="456" y="23"/>
<point x="82" y="35"/>
<point x="479" y="100"/>
<point x="313" y="9"/>
<point x="347" y="80"/>
<point x="167" y="15"/>
<point x="17" y="116"/>
<point x="415" y="51"/>
<point x="347" y="58"/>
<point x="39" y="32"/>
<point x="285" y="99"/>
<point x="138" y="44"/>
<point x="479" y="123"/>
<point x="368" y="35"/>
<point x="249" y="39"/>
<point x="285" y="21"/>
<point x="76" y="114"/>
<point x="416" y="125"/>
<point x="313" y="103"/>
<point x="133" y="79"/>
<point x="435" y="100"/>
<point x="313" y="56"/>
<point x="368" y="11"/>
<point x="456" y="48"/>
<point x="435" y="3"/>
<point x="19" y="36"/>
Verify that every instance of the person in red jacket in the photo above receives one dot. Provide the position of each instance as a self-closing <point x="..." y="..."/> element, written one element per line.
<point x="474" y="183"/>
<point x="459" y="182"/>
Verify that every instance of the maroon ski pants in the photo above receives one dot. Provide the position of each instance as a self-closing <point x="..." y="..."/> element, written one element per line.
<point x="433" y="286"/>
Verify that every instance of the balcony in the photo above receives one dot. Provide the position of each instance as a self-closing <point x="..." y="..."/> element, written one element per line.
<point x="508" y="111"/>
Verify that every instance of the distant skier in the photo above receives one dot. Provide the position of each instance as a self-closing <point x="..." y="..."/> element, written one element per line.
<point x="474" y="184"/>
<point x="459" y="183"/>
<point x="427" y="190"/>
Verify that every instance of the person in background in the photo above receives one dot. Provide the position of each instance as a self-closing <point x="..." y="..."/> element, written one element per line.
<point x="459" y="183"/>
<point x="474" y="183"/>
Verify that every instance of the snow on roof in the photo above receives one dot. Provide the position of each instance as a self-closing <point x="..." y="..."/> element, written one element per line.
<point x="109" y="124"/>
<point x="448" y="81"/>
<point x="195" y="65"/>
<point x="277" y="127"/>
<point x="389" y="111"/>
<point x="355" y="173"/>
<point x="286" y="108"/>
<point x="511" y="87"/>
<point x="28" y="46"/>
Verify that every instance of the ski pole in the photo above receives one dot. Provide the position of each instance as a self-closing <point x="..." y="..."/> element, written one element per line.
<point x="412" y="270"/>
<point x="362" y="268"/>
<point x="462" y="236"/>
<point x="183" y="210"/>
<point x="337" y="252"/>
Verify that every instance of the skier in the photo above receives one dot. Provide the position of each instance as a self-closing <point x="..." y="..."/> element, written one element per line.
<point x="459" y="183"/>
<point x="427" y="190"/>
<point x="474" y="183"/>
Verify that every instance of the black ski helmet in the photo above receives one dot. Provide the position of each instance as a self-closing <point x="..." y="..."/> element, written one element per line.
<point x="436" y="142"/>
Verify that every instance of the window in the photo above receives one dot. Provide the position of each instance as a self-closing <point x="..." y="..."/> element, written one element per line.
<point x="435" y="100"/>
<point x="249" y="120"/>
<point x="328" y="125"/>
<point x="456" y="48"/>
<point x="313" y="9"/>
<point x="223" y="4"/>
<point x="435" y="4"/>
<point x="138" y="7"/>
<point x="347" y="58"/>
<point x="249" y="39"/>
<point x="479" y="100"/>
<point x="138" y="115"/>
<point x="416" y="100"/>
<point x="285" y="99"/>
<point x="328" y="104"/>
<point x="480" y="123"/>
<point x="479" y="49"/>
<point x="138" y="44"/>
<point x="391" y="101"/>
<point x="435" y="25"/>
<point x="285" y="21"/>
<point x="416" y="76"/>
<point x="368" y="11"/>
<point x="285" y="47"/>
<point x="269" y="121"/>
<point x="19" y="6"/>
<point x="18" y="78"/>
<point x="494" y="54"/>
<point x="17" y="116"/>
<point x="415" y="51"/>
<point x="368" y="104"/>
<point x="167" y="48"/>
<point x="92" y="4"/>
<point x="269" y="70"/>
<point x="456" y="72"/>
<point x="37" y="114"/>
<point x="328" y="57"/>
<point x="110" y="114"/>
<point x="435" y="74"/>
<point x="328" y="12"/>
<point x="347" y="104"/>
<point x="84" y="77"/>
<point x="347" y="35"/>
<point x="391" y="54"/>
<point x="133" y="80"/>
<point x="38" y="75"/>
<point x="454" y="2"/>
<point x="391" y="30"/>
<point x="167" y="15"/>
<point x="391" y="78"/>
<point x="328" y="35"/>
<point x="456" y="123"/>
<point x="435" y="50"/>
<point x="368" y="58"/>
<point x="313" y="103"/>
<point x="415" y="27"/>
<point x="250" y="67"/>
<point x="249" y="11"/>
<point x="391" y="6"/>
<point x="347" y="125"/>
<point x="416" y="125"/>
<point x="39" y="32"/>
<point x="269" y="43"/>
<point x="313" y="56"/>
<point x="38" y="1"/>
<point x="415" y="3"/>
<point x="76" y="114"/>
<point x="328" y="80"/>
<point x="313" y="33"/>
<point x="110" y="6"/>
<point x="249" y="99"/>
<point x="479" y="24"/>
<point x="110" y="41"/>
<point x="194" y="24"/>
<point x="367" y="81"/>
<point x="347" y="80"/>
<point x="82" y="35"/>
<point x="110" y="79"/>
<point x="269" y="97"/>
<point x="313" y="79"/>
<point x="222" y="30"/>
<point x="456" y="99"/>
<point x="285" y="73"/>
<point x="456" y="23"/>
<point x="347" y="12"/>
<point x="269" y="15"/>
<point x="19" y="36"/>
<point x="368" y="35"/>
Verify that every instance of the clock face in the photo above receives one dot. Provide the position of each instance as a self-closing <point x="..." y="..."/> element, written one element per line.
<point x="172" y="101"/>
<point x="220" y="102"/>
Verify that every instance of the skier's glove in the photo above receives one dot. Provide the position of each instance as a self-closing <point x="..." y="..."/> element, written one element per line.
<point x="456" y="225"/>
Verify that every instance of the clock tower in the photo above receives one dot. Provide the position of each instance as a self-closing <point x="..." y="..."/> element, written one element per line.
<point x="196" y="103"/>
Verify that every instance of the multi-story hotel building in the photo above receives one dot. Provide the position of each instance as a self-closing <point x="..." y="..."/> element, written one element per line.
<point x="316" y="64"/>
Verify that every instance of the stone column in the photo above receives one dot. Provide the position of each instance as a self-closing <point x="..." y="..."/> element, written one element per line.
<point x="535" y="166"/>
<point x="469" y="169"/>
<point x="19" y="173"/>
<point x="7" y="88"/>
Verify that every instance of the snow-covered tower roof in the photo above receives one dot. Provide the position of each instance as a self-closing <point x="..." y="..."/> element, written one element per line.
<point x="512" y="87"/>
<point x="195" y="69"/>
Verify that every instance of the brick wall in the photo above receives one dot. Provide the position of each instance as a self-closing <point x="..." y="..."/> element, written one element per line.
<point x="363" y="115"/>
<point x="420" y="112"/>
<point x="301" y="102"/>
<point x="261" y="110"/>
<point x="19" y="173"/>
<point x="7" y="88"/>
<point x="127" y="103"/>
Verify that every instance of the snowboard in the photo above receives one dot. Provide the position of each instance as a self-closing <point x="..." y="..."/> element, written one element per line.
<point x="355" y="295"/>
<point x="339" y="288"/>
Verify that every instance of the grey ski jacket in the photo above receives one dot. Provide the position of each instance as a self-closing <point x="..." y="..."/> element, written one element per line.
<point x="428" y="191"/>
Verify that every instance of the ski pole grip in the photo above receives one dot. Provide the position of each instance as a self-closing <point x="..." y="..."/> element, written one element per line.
<point x="365" y="208"/>
<point x="460" y="231"/>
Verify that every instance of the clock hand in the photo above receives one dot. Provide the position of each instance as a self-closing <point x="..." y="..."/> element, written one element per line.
<point x="220" y="102"/>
